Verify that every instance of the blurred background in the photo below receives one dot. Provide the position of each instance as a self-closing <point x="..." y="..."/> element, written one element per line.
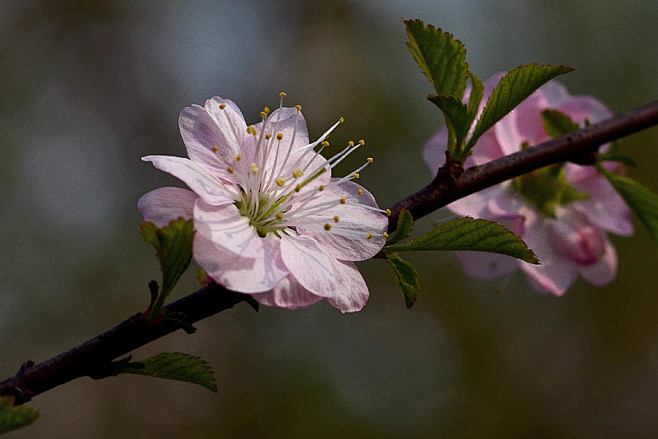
<point x="88" y="87"/>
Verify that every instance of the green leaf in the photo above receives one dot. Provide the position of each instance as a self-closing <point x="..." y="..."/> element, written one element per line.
<point x="557" y="124"/>
<point x="441" y="58"/>
<point x="404" y="228"/>
<point x="456" y="114"/>
<point x="406" y="278"/>
<point x="513" y="88"/>
<point x="473" y="235"/>
<point x="173" y="246"/>
<point x="13" y="416"/>
<point x="641" y="200"/>
<point x="477" y="91"/>
<point x="174" y="366"/>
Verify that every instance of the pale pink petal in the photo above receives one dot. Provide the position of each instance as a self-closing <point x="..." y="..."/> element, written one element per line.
<point x="201" y="133"/>
<point x="347" y="239"/>
<point x="244" y="275"/>
<point x="197" y="176"/>
<point x="434" y="150"/>
<point x="605" y="270"/>
<point x="487" y="265"/>
<point x="310" y="265"/>
<point x="166" y="204"/>
<point x="555" y="94"/>
<point x="224" y="226"/>
<point x="291" y="124"/>
<point x="476" y="205"/>
<point x="352" y="294"/>
<point x="581" y="108"/>
<point x="485" y="150"/>
<point x="288" y="293"/>
<point x="523" y="124"/>
<point x="604" y="208"/>
<point x="555" y="274"/>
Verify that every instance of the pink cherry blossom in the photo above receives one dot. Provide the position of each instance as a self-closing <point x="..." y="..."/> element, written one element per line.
<point x="572" y="242"/>
<point x="269" y="219"/>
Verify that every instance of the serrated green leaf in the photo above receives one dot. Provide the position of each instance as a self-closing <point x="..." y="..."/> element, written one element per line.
<point x="441" y="58"/>
<point x="641" y="200"/>
<point x="173" y="247"/>
<point x="477" y="91"/>
<point x="557" y="124"/>
<point x="13" y="417"/>
<point x="513" y="88"/>
<point x="472" y="235"/>
<point x="174" y="366"/>
<point x="406" y="278"/>
<point x="404" y="228"/>
<point x="456" y="114"/>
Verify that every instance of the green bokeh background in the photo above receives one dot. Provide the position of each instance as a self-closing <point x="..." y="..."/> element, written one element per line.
<point x="88" y="87"/>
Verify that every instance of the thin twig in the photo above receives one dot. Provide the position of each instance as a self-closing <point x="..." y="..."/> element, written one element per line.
<point x="94" y="357"/>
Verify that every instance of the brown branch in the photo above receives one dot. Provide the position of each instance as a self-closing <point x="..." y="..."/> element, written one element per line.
<point x="94" y="357"/>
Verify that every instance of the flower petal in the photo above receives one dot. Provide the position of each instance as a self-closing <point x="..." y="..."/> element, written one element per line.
<point x="347" y="238"/>
<point x="166" y="204"/>
<point x="244" y="275"/>
<point x="353" y="291"/>
<point x="310" y="265"/>
<point x="201" y="132"/>
<point x="288" y="293"/>
<point x="604" y="208"/>
<point x="605" y="270"/>
<point x="224" y="226"/>
<point x="199" y="177"/>
<point x="555" y="274"/>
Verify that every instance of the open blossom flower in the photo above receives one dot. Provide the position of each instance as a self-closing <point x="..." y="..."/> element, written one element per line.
<point x="269" y="220"/>
<point x="561" y="212"/>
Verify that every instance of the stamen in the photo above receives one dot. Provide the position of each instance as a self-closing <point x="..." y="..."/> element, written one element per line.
<point x="238" y="157"/>
<point x="360" y="192"/>
<point x="298" y="107"/>
<point x="321" y="188"/>
<point x="327" y="227"/>
<point x="296" y="173"/>
<point x="343" y="201"/>
<point x="336" y="219"/>
<point x="230" y="170"/>
<point x="215" y="149"/>
<point x="282" y="94"/>
<point x="279" y="216"/>
<point x="369" y="236"/>
<point x="385" y="235"/>
<point x="341" y="120"/>
<point x="222" y="106"/>
<point x="388" y="212"/>
<point x="268" y="136"/>
<point x="279" y="136"/>
<point x="280" y="182"/>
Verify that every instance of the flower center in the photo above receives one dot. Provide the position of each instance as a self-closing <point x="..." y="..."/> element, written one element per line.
<point x="547" y="188"/>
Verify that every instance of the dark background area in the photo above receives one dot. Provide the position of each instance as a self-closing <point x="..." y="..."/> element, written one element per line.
<point x="88" y="87"/>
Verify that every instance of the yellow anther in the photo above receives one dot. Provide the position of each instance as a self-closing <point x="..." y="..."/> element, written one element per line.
<point x="268" y="136"/>
<point x="325" y="143"/>
<point x="279" y="136"/>
<point x="369" y="236"/>
<point x="298" y="107"/>
<point x="254" y="168"/>
<point x="388" y="212"/>
<point x="263" y="115"/>
<point x="238" y="157"/>
<point x="362" y="142"/>
<point x="321" y="187"/>
<point x="385" y="235"/>
<point x="341" y="120"/>
<point x="336" y="219"/>
<point x="298" y="188"/>
<point x="351" y="143"/>
<point x="280" y="182"/>
<point x="343" y="201"/>
<point x="327" y="227"/>
<point x="266" y="110"/>
<point x="282" y="94"/>
<point x="222" y="106"/>
<point x="360" y="192"/>
<point x="230" y="170"/>
<point x="296" y="173"/>
<point x="370" y="159"/>
<point x="355" y="175"/>
<point x="279" y="216"/>
<point x="214" y="149"/>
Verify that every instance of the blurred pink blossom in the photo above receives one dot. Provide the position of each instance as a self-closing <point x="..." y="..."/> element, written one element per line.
<point x="269" y="220"/>
<point x="573" y="241"/>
